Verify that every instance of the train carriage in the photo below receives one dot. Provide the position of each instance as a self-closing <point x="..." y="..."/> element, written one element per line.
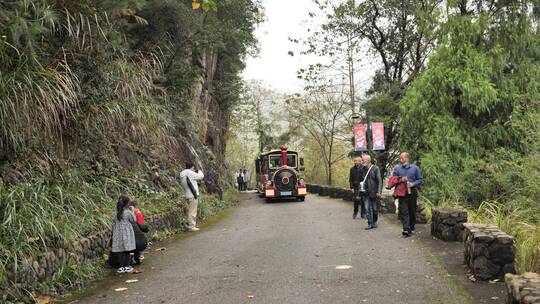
<point x="279" y="174"/>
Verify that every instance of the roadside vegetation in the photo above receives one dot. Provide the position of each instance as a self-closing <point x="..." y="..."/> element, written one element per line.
<point x="103" y="98"/>
<point x="69" y="208"/>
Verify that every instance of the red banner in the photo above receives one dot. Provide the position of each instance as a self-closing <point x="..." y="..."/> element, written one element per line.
<point x="377" y="131"/>
<point x="360" y="140"/>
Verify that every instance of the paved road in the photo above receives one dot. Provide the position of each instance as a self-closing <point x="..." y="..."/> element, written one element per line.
<point x="288" y="253"/>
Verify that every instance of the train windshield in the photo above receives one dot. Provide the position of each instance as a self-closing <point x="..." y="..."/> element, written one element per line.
<point x="275" y="161"/>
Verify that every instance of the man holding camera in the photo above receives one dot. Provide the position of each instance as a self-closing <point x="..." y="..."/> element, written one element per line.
<point x="188" y="179"/>
<point x="372" y="191"/>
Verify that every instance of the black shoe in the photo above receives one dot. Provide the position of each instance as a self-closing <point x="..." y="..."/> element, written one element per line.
<point x="369" y="227"/>
<point x="354" y="216"/>
<point x="374" y="226"/>
<point x="406" y="233"/>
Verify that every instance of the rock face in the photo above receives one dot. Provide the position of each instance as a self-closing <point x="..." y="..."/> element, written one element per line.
<point x="447" y="224"/>
<point x="489" y="252"/>
<point x="523" y="289"/>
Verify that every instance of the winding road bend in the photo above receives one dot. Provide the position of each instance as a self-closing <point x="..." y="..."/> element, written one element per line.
<point x="287" y="252"/>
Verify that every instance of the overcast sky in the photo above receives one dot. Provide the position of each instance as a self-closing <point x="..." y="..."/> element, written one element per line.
<point x="285" y="18"/>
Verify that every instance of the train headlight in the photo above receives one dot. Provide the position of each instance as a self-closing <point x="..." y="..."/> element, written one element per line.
<point x="269" y="193"/>
<point x="269" y="183"/>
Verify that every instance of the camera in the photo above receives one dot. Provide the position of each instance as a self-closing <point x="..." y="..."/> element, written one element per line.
<point x="362" y="187"/>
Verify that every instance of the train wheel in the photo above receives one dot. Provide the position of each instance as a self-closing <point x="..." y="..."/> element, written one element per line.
<point x="302" y="198"/>
<point x="268" y="200"/>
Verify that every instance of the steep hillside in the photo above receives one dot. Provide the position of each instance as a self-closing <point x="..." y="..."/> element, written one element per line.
<point x="101" y="98"/>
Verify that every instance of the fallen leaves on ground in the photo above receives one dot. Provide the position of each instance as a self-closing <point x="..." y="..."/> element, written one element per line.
<point x="471" y="278"/>
<point x="343" y="267"/>
<point x="137" y="271"/>
<point x="250" y="296"/>
<point x="160" y="249"/>
<point x="132" y="281"/>
<point x="121" y="289"/>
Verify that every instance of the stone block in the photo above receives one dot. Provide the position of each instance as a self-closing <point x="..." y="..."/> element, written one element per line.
<point x="523" y="289"/>
<point x="447" y="224"/>
<point x="488" y="257"/>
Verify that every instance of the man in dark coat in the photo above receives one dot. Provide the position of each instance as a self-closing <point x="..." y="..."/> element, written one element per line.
<point x="240" y="181"/>
<point x="373" y="191"/>
<point x="356" y="175"/>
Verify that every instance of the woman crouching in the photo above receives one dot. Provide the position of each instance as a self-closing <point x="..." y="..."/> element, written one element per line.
<point x="123" y="237"/>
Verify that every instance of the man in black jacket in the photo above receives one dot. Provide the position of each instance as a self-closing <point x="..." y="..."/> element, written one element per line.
<point x="356" y="175"/>
<point x="373" y="191"/>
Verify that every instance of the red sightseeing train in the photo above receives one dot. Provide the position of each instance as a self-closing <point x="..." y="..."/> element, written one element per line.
<point x="278" y="174"/>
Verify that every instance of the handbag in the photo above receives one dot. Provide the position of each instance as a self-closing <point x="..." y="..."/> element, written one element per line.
<point x="362" y="187"/>
<point x="191" y="188"/>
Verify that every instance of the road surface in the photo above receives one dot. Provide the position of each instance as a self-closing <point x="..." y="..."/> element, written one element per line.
<point x="287" y="252"/>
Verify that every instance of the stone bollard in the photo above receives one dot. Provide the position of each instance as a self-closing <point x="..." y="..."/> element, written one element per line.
<point x="324" y="191"/>
<point x="334" y="192"/>
<point x="489" y="252"/>
<point x="387" y="205"/>
<point x="348" y="195"/>
<point x="421" y="217"/>
<point x="523" y="289"/>
<point x="447" y="223"/>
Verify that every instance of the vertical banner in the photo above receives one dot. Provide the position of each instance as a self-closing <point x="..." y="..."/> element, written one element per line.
<point x="377" y="131"/>
<point x="360" y="140"/>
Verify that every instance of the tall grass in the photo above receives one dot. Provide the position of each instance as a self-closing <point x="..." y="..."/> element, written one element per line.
<point x="39" y="214"/>
<point x="509" y="219"/>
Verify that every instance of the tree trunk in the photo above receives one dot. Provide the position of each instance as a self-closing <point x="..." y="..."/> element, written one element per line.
<point x="329" y="174"/>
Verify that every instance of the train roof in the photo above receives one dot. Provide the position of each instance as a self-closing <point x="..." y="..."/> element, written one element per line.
<point x="276" y="151"/>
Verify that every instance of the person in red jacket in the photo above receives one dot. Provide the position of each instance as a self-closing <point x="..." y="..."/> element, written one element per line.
<point x="134" y="206"/>
<point x="139" y="217"/>
<point x="400" y="186"/>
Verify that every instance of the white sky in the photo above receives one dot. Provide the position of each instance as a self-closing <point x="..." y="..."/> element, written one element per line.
<point x="286" y="18"/>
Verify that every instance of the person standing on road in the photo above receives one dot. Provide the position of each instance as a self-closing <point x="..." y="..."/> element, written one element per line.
<point x="373" y="191"/>
<point x="356" y="175"/>
<point x="240" y="180"/>
<point x="188" y="179"/>
<point x="246" y="179"/>
<point x="410" y="174"/>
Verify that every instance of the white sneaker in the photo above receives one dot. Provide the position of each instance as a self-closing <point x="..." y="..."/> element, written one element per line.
<point x="128" y="269"/>
<point x="121" y="270"/>
<point x="194" y="229"/>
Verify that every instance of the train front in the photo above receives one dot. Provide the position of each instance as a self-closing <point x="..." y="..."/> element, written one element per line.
<point x="285" y="182"/>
